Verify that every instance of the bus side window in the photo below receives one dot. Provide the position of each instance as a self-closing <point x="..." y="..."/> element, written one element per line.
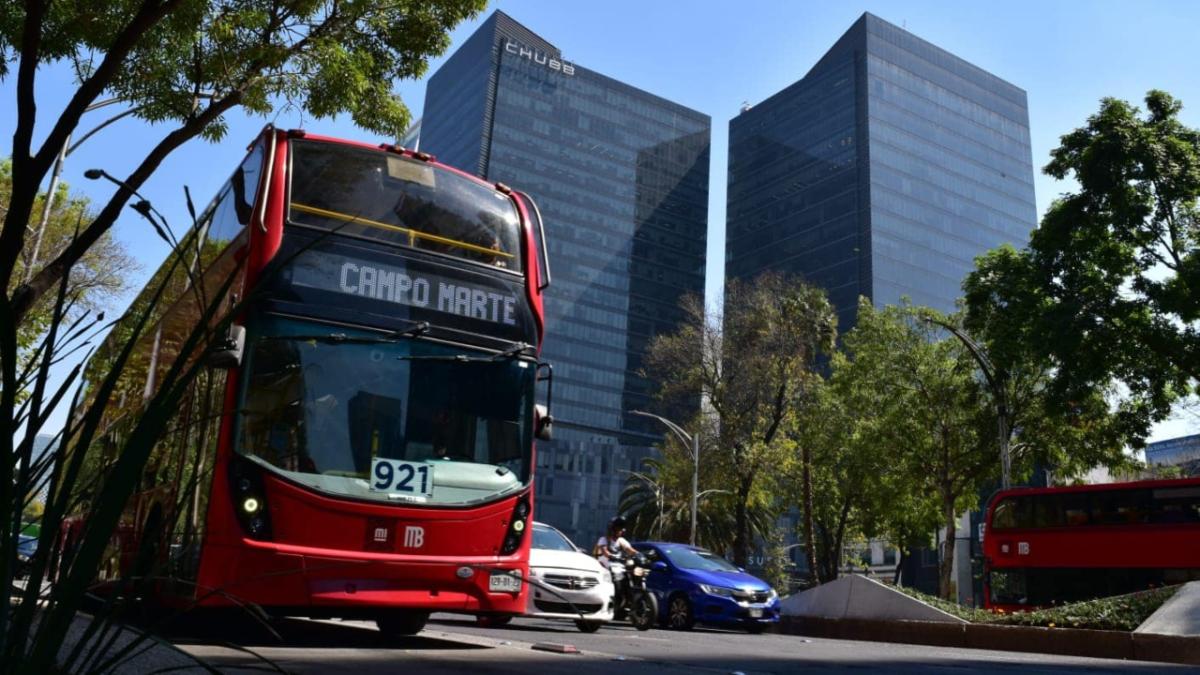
<point x="1175" y="505"/>
<point x="235" y="205"/>
<point x="1121" y="507"/>
<point x="1075" y="509"/>
<point x="1047" y="511"/>
<point x="1005" y="515"/>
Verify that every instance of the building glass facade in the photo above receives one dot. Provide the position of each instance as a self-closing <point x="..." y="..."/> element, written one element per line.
<point x="621" y="179"/>
<point x="1174" y="451"/>
<point x="883" y="173"/>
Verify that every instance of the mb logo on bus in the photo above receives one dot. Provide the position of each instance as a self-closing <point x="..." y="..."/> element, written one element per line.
<point x="414" y="536"/>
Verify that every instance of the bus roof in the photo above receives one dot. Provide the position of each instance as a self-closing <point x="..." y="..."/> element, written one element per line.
<point x="1096" y="487"/>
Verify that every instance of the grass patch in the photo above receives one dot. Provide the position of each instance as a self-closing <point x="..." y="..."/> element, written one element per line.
<point x="1121" y="612"/>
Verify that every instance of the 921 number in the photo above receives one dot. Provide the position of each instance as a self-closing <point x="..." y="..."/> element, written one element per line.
<point x="391" y="475"/>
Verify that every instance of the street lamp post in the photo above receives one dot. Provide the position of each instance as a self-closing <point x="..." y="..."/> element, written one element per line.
<point x="67" y="149"/>
<point x="692" y="441"/>
<point x="48" y="203"/>
<point x="997" y="380"/>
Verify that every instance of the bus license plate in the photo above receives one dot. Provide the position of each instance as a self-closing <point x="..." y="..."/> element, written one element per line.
<point x="755" y="613"/>
<point x="504" y="582"/>
<point x="400" y="477"/>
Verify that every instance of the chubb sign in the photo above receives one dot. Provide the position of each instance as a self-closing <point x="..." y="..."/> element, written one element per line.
<point x="538" y="57"/>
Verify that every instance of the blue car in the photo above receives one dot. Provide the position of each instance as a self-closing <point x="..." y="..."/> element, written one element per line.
<point x="698" y="586"/>
<point x="26" y="547"/>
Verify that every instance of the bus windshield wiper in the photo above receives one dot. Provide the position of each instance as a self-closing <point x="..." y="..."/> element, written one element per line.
<point x="520" y="349"/>
<point x="415" y="329"/>
<point x="516" y="350"/>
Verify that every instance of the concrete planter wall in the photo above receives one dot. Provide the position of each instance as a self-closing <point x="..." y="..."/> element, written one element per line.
<point x="1065" y="641"/>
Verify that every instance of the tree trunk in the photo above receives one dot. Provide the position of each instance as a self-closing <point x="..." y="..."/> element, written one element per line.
<point x="946" y="567"/>
<point x="838" y="539"/>
<point x="829" y="557"/>
<point x="899" y="566"/>
<point x="741" y="533"/>
<point x="810" y="549"/>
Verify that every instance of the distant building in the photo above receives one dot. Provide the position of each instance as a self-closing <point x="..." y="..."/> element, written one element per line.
<point x="412" y="137"/>
<point x="42" y="444"/>
<point x="883" y="172"/>
<point x="621" y="178"/>
<point x="1174" y="451"/>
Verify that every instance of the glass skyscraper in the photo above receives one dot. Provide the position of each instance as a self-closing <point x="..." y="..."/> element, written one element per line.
<point x="883" y="172"/>
<point x="621" y="179"/>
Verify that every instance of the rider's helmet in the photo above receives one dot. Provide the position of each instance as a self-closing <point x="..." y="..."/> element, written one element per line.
<point x="616" y="524"/>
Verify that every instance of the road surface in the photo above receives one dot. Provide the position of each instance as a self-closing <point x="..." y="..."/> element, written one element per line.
<point x="455" y="644"/>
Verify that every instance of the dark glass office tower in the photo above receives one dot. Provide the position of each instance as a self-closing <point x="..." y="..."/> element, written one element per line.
<point x="621" y="178"/>
<point x="883" y="172"/>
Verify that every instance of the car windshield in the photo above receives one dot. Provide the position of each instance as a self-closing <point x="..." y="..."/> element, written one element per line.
<point x="697" y="559"/>
<point x="321" y="412"/>
<point x="384" y="196"/>
<point x="550" y="539"/>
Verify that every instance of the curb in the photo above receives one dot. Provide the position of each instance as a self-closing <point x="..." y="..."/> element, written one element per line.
<point x="1104" y="644"/>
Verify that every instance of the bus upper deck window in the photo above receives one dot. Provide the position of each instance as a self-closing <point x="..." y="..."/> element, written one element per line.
<point x="1004" y="515"/>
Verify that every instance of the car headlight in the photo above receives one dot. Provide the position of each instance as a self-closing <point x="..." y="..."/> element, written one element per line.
<point x="606" y="576"/>
<point x="773" y="595"/>
<point x="717" y="590"/>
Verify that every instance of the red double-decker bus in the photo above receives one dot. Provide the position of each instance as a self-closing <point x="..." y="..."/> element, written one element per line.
<point x="361" y="445"/>
<point x="1046" y="546"/>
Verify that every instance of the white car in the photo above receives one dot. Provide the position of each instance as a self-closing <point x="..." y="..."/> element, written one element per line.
<point x="567" y="583"/>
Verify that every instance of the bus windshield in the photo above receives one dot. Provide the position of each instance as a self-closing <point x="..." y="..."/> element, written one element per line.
<point x="388" y="197"/>
<point x="321" y="411"/>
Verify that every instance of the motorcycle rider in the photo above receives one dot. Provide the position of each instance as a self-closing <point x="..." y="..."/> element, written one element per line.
<point x="613" y="544"/>
<point x="611" y="549"/>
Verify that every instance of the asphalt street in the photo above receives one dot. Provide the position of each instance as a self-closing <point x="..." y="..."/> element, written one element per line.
<point x="455" y="644"/>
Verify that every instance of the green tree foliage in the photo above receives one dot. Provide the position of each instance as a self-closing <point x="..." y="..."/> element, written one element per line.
<point x="929" y="415"/>
<point x="1107" y="294"/>
<point x="749" y="364"/>
<point x="915" y="437"/>
<point x="101" y="275"/>
<point x="656" y="500"/>
<point x="855" y="493"/>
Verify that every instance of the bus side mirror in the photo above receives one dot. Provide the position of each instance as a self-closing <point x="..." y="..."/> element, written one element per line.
<point x="228" y="352"/>
<point x="543" y="424"/>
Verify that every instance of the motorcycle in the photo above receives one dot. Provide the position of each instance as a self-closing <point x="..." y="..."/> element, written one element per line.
<point x="633" y="599"/>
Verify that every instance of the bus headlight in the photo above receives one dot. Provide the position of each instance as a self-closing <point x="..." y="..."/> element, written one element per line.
<point x="250" y="498"/>
<point x="516" y="528"/>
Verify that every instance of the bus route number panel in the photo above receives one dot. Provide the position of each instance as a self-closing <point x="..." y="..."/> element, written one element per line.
<point x="401" y="478"/>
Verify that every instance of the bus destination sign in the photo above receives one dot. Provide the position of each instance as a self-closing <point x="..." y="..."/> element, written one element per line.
<point x="403" y="286"/>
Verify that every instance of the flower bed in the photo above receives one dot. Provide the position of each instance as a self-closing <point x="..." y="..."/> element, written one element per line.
<point x="1120" y="613"/>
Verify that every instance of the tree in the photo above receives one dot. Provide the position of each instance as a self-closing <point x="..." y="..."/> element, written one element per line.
<point x="100" y="276"/>
<point x="852" y="493"/>
<point x="1108" y="291"/>
<point x="749" y="364"/>
<point x="931" y="414"/>
<point x="656" y="500"/>
<point x="917" y="394"/>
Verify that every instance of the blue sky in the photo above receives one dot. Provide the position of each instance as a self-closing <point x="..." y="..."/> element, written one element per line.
<point x="713" y="56"/>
